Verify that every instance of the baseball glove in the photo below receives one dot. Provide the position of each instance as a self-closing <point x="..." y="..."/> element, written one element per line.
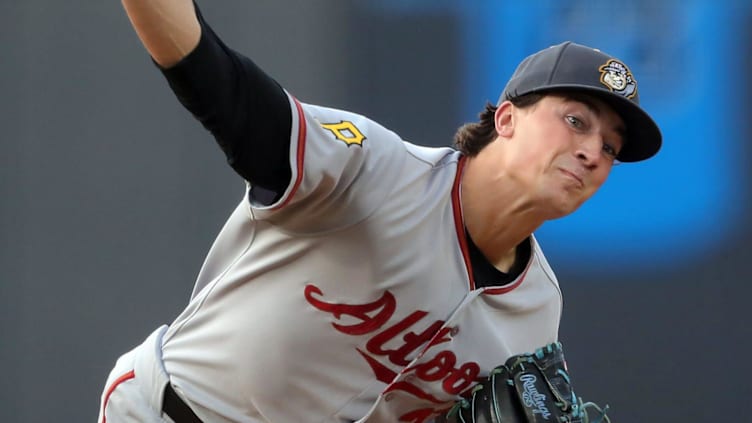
<point x="528" y="388"/>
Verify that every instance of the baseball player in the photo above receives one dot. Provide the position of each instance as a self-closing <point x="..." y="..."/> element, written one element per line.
<point x="361" y="277"/>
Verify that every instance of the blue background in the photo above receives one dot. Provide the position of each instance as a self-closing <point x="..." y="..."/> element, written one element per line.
<point x="688" y="59"/>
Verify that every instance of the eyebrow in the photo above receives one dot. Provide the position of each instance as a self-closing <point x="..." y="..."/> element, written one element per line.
<point x="621" y="130"/>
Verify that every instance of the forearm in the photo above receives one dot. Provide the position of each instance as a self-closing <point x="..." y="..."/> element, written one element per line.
<point x="168" y="29"/>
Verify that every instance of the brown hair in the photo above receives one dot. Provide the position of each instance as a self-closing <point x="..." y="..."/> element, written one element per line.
<point x="472" y="137"/>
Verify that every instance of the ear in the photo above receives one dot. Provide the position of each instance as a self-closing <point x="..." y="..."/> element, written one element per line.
<point x="504" y="119"/>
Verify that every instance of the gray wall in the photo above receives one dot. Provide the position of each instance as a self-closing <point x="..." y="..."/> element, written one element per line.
<point x="112" y="194"/>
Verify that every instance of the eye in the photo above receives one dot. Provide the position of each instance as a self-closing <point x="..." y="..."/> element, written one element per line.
<point x="574" y="121"/>
<point x="610" y="150"/>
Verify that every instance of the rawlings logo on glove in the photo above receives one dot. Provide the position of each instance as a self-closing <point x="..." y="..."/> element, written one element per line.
<point x="529" y="388"/>
<point x="532" y="398"/>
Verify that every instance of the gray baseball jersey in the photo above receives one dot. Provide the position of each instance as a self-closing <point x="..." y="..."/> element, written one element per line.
<point x="352" y="296"/>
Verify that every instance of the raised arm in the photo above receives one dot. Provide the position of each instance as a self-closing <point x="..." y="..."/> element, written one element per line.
<point x="245" y="109"/>
<point x="168" y="29"/>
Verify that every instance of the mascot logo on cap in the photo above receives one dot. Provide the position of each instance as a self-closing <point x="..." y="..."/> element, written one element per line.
<point x="616" y="76"/>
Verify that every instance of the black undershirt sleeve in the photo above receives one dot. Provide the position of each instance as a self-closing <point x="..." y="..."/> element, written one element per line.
<point x="247" y="111"/>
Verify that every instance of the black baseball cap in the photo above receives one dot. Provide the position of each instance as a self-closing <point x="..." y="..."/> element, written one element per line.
<point x="570" y="66"/>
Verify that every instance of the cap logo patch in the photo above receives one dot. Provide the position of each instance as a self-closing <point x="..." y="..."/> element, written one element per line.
<point x="617" y="77"/>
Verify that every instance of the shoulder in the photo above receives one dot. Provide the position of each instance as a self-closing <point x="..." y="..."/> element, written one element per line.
<point x="537" y="253"/>
<point x="434" y="156"/>
<point x="354" y="128"/>
<point x="343" y="124"/>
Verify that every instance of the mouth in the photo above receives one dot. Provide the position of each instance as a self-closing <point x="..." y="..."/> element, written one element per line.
<point x="573" y="176"/>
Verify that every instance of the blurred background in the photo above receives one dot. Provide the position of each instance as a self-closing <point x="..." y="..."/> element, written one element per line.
<point x="111" y="194"/>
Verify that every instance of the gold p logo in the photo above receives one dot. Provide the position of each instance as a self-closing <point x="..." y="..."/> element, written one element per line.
<point x="346" y="132"/>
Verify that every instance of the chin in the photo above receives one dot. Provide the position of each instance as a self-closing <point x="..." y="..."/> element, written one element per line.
<point x="558" y="214"/>
<point x="562" y="200"/>
<point x="564" y="208"/>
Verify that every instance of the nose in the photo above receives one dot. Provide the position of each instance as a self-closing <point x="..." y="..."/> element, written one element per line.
<point x="588" y="150"/>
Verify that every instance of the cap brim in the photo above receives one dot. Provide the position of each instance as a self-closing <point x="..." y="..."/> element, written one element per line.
<point x="643" y="138"/>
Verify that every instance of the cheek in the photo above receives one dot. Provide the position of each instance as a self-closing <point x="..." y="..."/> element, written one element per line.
<point x="538" y="147"/>
<point x="535" y="164"/>
<point x="541" y="146"/>
<point x="599" y="178"/>
<point x="602" y="174"/>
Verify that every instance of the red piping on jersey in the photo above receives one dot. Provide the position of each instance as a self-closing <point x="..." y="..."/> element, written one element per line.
<point x="300" y="154"/>
<point x="459" y="225"/>
<point x="118" y="381"/>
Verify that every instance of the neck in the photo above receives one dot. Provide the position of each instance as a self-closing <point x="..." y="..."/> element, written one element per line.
<point x="497" y="215"/>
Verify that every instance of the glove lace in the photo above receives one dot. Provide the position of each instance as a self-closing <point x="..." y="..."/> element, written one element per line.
<point x="461" y="404"/>
<point x="583" y="408"/>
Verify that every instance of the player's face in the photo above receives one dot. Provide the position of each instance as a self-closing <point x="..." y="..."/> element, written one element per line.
<point x="562" y="149"/>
